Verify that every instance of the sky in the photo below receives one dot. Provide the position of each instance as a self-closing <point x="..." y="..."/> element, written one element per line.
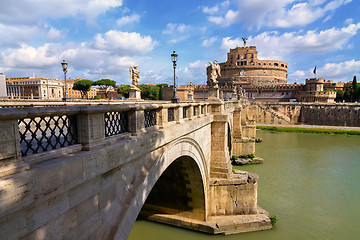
<point x="103" y="38"/>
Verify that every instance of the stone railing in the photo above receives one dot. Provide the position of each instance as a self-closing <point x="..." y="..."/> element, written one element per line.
<point x="30" y="135"/>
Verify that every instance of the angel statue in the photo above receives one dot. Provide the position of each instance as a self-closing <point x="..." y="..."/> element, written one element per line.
<point x="134" y="76"/>
<point x="244" y="40"/>
<point x="215" y="72"/>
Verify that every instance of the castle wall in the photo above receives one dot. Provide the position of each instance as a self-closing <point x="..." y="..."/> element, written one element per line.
<point x="326" y="114"/>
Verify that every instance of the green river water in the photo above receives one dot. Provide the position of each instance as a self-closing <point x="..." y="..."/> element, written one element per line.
<point x="311" y="182"/>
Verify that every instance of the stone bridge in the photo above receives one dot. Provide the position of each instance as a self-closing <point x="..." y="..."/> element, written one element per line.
<point x="88" y="170"/>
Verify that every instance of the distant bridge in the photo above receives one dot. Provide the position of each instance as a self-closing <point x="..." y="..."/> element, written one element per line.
<point x="86" y="170"/>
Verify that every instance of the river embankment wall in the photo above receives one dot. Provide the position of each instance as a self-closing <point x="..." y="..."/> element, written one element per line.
<point x="326" y="114"/>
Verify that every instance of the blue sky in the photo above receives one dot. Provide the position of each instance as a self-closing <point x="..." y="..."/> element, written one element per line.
<point x="103" y="38"/>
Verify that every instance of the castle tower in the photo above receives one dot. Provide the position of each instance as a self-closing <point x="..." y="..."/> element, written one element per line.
<point x="244" y="68"/>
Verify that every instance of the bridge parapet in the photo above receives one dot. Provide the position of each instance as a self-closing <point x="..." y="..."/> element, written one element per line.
<point x="51" y="131"/>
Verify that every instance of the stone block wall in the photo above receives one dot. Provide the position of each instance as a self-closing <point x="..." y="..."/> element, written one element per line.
<point x="334" y="114"/>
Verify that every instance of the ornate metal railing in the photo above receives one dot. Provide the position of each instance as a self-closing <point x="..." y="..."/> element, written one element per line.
<point x="171" y="114"/>
<point x="149" y="117"/>
<point x="40" y="134"/>
<point x="116" y="123"/>
<point x="185" y="109"/>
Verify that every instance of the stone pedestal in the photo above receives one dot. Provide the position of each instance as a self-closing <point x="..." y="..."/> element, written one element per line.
<point x="190" y="97"/>
<point x="213" y="95"/>
<point x="234" y="96"/>
<point x="135" y="94"/>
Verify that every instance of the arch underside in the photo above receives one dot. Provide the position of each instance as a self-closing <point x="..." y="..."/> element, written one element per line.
<point x="174" y="185"/>
<point x="179" y="191"/>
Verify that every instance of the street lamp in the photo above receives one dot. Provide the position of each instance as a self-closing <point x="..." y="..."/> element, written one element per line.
<point x="64" y="66"/>
<point x="174" y="99"/>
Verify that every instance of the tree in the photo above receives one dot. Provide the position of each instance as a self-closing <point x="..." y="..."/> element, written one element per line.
<point x="83" y="86"/>
<point x="149" y="91"/>
<point x="105" y="83"/>
<point x="124" y="90"/>
<point x="339" y="95"/>
<point x="355" y="90"/>
<point x="347" y="96"/>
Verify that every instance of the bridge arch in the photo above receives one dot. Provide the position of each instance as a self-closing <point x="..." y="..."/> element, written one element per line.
<point x="185" y="152"/>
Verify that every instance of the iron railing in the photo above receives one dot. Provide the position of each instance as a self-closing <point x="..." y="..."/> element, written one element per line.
<point x="149" y="117"/>
<point x="171" y="114"/>
<point x="116" y="123"/>
<point x="185" y="109"/>
<point x="40" y="134"/>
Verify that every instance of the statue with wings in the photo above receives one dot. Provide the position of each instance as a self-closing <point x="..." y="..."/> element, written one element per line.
<point x="214" y="73"/>
<point x="134" y="76"/>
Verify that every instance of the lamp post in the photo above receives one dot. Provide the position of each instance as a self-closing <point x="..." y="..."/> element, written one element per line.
<point x="64" y="66"/>
<point x="174" y="99"/>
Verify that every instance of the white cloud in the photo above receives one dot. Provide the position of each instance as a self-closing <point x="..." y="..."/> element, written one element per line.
<point x="176" y="28"/>
<point x="180" y="32"/>
<point x="124" y="42"/>
<point x="29" y="57"/>
<point x="339" y="72"/>
<point x="208" y="42"/>
<point x="135" y="18"/>
<point x="275" y="46"/>
<point x="299" y="76"/>
<point x="13" y="35"/>
<point x="211" y="10"/>
<point x="275" y="13"/>
<point x="55" y="34"/>
<point x="109" y="55"/>
<point x="198" y="64"/>
<point x="31" y="11"/>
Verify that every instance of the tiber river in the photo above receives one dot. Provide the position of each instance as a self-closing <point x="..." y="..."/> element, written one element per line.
<point x="310" y="182"/>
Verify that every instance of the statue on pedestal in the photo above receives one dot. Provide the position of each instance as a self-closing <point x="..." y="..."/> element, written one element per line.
<point x="244" y="40"/>
<point x="215" y="72"/>
<point x="134" y="77"/>
<point x="134" y="92"/>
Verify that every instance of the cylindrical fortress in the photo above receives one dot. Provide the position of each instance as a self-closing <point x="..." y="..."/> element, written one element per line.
<point x="244" y="68"/>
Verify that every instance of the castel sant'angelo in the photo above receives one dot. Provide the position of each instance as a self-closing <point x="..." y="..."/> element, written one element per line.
<point x="245" y="69"/>
<point x="260" y="80"/>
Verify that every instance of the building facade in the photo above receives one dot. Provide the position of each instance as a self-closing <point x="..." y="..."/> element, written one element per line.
<point x="2" y="86"/>
<point x="34" y="88"/>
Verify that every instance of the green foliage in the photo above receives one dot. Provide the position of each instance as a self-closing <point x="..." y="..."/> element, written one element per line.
<point x="347" y="96"/>
<point x="355" y="93"/>
<point x="97" y="97"/>
<point x="339" y="95"/>
<point x="149" y="91"/>
<point x="84" y="86"/>
<point x="160" y="89"/>
<point x="309" y="130"/>
<point x="233" y="157"/>
<point x="248" y="156"/>
<point x="124" y="90"/>
<point x="273" y="219"/>
<point x="105" y="83"/>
